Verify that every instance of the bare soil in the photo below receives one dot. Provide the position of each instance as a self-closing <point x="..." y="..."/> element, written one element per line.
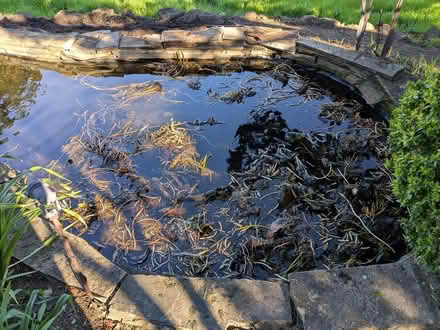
<point x="84" y="314"/>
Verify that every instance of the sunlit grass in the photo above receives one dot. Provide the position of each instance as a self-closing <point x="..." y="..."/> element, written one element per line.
<point x="416" y="15"/>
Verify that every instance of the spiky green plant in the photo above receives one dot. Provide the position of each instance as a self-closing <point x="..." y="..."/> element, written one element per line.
<point x="16" y="212"/>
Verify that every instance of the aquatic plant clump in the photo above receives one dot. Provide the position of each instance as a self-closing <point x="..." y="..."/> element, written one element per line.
<point x="415" y="141"/>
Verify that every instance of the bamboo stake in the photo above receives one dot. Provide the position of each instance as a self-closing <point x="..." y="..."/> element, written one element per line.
<point x="391" y="35"/>
<point x="366" y="6"/>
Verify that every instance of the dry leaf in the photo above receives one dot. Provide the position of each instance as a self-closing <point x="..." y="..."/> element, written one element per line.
<point x="174" y="211"/>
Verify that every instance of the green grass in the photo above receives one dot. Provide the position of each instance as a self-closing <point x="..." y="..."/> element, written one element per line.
<point x="416" y="15"/>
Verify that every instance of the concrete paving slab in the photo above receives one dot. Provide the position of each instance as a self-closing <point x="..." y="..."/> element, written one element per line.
<point x="373" y="297"/>
<point x="102" y="276"/>
<point x="261" y="304"/>
<point x="196" y="303"/>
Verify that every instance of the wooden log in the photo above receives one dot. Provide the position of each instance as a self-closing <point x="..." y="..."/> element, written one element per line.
<point x="366" y="6"/>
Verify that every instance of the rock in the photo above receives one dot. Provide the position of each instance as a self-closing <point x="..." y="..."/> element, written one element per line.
<point x="315" y="20"/>
<point x="370" y="27"/>
<point x="196" y="303"/>
<point x="190" y="17"/>
<point x="251" y="16"/>
<point x="66" y="17"/>
<point x="102" y="276"/>
<point x="6" y="173"/>
<point x="197" y="16"/>
<point x="372" y="297"/>
<point x="168" y="14"/>
<point x="104" y="12"/>
<point x="211" y="19"/>
<point x="19" y="17"/>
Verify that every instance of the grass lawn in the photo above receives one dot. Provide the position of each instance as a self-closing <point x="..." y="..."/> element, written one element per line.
<point x="416" y="15"/>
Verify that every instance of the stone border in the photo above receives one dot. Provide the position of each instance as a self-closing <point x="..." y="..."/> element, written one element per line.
<point x="155" y="301"/>
<point x="382" y="296"/>
<point x="377" y="79"/>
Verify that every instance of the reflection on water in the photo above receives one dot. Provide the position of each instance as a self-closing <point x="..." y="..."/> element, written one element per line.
<point x="59" y="105"/>
<point x="18" y="92"/>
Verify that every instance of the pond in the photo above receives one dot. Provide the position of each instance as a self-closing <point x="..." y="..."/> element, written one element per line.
<point x="233" y="174"/>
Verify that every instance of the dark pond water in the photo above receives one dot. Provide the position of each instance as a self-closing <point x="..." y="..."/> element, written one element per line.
<point x="41" y="110"/>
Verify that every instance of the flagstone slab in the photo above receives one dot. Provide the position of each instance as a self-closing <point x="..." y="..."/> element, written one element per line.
<point x="376" y="65"/>
<point x="195" y="303"/>
<point x="372" y="297"/>
<point x="101" y="274"/>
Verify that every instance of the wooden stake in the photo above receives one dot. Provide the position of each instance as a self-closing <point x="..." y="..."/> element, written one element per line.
<point x="391" y="36"/>
<point x="366" y="6"/>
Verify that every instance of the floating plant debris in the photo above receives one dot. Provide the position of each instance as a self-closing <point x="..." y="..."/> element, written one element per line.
<point x="251" y="175"/>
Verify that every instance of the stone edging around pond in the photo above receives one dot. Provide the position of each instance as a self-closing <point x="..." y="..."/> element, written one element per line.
<point x="382" y="296"/>
<point x="378" y="80"/>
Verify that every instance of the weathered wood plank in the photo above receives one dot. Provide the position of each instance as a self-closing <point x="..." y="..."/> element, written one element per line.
<point x="106" y="38"/>
<point x="131" y="42"/>
<point x="264" y="34"/>
<point x="210" y="36"/>
<point x="192" y="54"/>
<point x="233" y="33"/>
<point x="85" y="49"/>
<point x="26" y="38"/>
<point x="288" y="45"/>
<point x="43" y="54"/>
<point x="174" y="35"/>
<point x="371" y="64"/>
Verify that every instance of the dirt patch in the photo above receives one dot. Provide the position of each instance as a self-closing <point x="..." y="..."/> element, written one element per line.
<point x="82" y="314"/>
